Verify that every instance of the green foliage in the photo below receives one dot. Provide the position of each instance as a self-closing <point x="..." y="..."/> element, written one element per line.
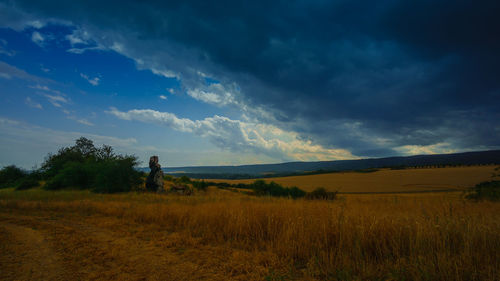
<point x="116" y="175"/>
<point x="84" y="166"/>
<point x="320" y="193"/>
<point x="261" y="188"/>
<point x="27" y="183"/>
<point x="55" y="163"/>
<point x="489" y="190"/>
<point x="184" y="179"/>
<point x="296" y="192"/>
<point x="73" y="174"/>
<point x="200" y="185"/>
<point x="10" y="175"/>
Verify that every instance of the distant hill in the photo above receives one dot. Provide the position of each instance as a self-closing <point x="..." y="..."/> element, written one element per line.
<point x="242" y="171"/>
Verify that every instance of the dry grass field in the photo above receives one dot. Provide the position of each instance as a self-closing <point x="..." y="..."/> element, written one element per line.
<point x="222" y="235"/>
<point x="387" y="180"/>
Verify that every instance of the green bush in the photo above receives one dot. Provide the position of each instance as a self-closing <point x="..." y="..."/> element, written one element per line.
<point x="489" y="190"/>
<point x="84" y="166"/>
<point x="27" y="183"/>
<point x="116" y="175"/>
<point x="200" y="185"/>
<point x="183" y="179"/>
<point x="54" y="164"/>
<point x="296" y="192"/>
<point x="261" y="188"/>
<point x="320" y="193"/>
<point x="10" y="175"/>
<point x="73" y="175"/>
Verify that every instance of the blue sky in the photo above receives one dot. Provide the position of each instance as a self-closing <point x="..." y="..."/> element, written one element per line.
<point x="240" y="83"/>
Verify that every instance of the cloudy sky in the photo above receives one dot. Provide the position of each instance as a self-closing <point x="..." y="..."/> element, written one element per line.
<point x="241" y="82"/>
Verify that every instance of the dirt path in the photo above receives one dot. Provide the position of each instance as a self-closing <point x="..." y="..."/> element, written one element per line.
<point x="27" y="255"/>
<point x="54" y="246"/>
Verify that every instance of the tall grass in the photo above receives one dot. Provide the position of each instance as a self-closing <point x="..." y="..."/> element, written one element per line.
<point x="405" y="237"/>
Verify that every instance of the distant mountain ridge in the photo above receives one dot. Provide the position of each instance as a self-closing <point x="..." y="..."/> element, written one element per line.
<point x="465" y="158"/>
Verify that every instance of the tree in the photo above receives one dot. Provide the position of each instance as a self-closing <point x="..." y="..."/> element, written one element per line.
<point x="85" y="147"/>
<point x="105" y="152"/>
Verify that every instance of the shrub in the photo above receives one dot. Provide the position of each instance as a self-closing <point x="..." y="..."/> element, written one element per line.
<point x="184" y="179"/>
<point x="73" y="175"/>
<point x="225" y="185"/>
<point x="200" y="185"/>
<point x="84" y="166"/>
<point x="261" y="188"/>
<point x="9" y="175"/>
<point x="322" y="194"/>
<point x="296" y="192"/>
<point x="489" y="190"/>
<point x="55" y="163"/>
<point x="27" y="183"/>
<point x="116" y="175"/>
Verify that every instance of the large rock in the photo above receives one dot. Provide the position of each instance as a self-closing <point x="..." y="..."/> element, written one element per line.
<point x="154" y="181"/>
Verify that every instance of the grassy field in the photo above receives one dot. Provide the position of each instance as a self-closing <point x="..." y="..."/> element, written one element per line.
<point x="222" y="235"/>
<point x="387" y="180"/>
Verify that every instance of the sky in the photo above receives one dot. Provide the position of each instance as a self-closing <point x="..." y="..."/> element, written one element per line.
<point x="249" y="82"/>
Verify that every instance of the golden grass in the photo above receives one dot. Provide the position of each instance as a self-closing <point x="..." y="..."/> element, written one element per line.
<point x="387" y="180"/>
<point x="358" y="237"/>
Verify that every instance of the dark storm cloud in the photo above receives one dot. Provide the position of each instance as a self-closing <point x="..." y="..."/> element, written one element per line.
<point x="367" y="76"/>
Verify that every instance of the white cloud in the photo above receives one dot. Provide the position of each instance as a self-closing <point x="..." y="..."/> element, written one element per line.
<point x="31" y="103"/>
<point x="164" y="72"/>
<point x="40" y="87"/>
<point x="3" y="49"/>
<point x="93" y="81"/>
<point x="83" y="50"/>
<point x="163" y="97"/>
<point x="209" y="97"/>
<point x="80" y="120"/>
<point x="438" y="148"/>
<point x="82" y="42"/>
<point x="56" y="100"/>
<point x="170" y="90"/>
<point x="240" y="136"/>
<point x="78" y="37"/>
<point x="214" y="93"/>
<point x="5" y="76"/>
<point x="36" y="24"/>
<point x="8" y="71"/>
<point x="37" y="38"/>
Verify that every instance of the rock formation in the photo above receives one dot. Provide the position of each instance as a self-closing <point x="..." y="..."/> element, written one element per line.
<point x="154" y="181"/>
